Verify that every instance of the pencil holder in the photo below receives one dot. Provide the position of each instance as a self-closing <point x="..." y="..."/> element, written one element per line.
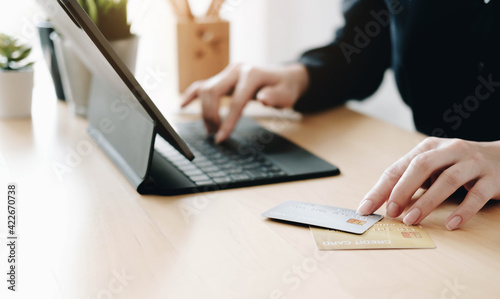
<point x="202" y="47"/>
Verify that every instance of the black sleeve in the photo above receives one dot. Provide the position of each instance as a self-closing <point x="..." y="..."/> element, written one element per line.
<point x="353" y="65"/>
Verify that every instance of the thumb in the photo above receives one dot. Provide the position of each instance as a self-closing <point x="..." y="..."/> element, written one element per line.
<point x="273" y="96"/>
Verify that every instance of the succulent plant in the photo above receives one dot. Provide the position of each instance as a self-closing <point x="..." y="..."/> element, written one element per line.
<point x="110" y="16"/>
<point x="13" y="54"/>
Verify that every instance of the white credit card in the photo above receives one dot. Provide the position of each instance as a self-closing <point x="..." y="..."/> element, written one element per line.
<point x="341" y="219"/>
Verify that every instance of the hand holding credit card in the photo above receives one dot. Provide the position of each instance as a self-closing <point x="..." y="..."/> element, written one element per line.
<point x="340" y="219"/>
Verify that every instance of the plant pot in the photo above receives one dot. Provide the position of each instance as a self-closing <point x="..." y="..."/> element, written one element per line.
<point x="44" y="30"/>
<point x="127" y="49"/>
<point x="75" y="76"/>
<point x="16" y="93"/>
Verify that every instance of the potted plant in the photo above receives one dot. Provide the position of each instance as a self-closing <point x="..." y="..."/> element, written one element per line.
<point x="16" y="78"/>
<point x="110" y="16"/>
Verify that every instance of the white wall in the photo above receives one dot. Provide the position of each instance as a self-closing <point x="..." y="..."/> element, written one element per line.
<point x="275" y="31"/>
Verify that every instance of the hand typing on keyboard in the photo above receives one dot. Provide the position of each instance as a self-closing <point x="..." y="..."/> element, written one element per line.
<point x="278" y="87"/>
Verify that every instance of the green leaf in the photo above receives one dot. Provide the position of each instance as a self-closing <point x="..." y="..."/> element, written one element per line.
<point x="8" y="49"/>
<point x="26" y="66"/>
<point x="13" y="51"/>
<point x="21" y="54"/>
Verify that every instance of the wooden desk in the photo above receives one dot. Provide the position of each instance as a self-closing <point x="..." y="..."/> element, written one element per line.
<point x="86" y="233"/>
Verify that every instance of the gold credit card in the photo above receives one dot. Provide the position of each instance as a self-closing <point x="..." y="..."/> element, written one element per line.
<point x="387" y="233"/>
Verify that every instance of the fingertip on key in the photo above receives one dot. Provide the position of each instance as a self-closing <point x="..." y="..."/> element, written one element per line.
<point x="219" y="137"/>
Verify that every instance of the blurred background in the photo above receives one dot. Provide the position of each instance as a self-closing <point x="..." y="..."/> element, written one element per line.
<point x="262" y="32"/>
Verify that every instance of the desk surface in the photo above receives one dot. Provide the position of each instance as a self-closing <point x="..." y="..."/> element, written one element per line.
<point x="86" y="233"/>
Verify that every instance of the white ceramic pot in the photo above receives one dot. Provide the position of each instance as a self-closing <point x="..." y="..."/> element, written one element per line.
<point x="16" y="93"/>
<point x="75" y="76"/>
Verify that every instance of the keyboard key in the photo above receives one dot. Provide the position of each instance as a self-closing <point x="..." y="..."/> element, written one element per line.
<point x="256" y="174"/>
<point x="220" y="161"/>
<point x="244" y="160"/>
<point x="196" y="178"/>
<point x="217" y="174"/>
<point x="253" y="165"/>
<point x="235" y="170"/>
<point x="204" y="163"/>
<point x="199" y="157"/>
<point x="193" y="172"/>
<point x="186" y="167"/>
<point x="210" y="168"/>
<point x="204" y="183"/>
<point x="228" y="165"/>
<point x="222" y="180"/>
<point x="216" y="156"/>
<point x="240" y="177"/>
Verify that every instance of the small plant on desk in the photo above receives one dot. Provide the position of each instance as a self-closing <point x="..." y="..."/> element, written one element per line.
<point x="13" y="54"/>
<point x="16" y="77"/>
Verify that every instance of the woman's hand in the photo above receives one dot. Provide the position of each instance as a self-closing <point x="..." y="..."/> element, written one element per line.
<point x="279" y="87"/>
<point x="444" y="165"/>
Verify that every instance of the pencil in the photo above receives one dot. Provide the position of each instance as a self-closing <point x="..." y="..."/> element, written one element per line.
<point x="175" y="8"/>
<point x="184" y="9"/>
<point x="214" y="8"/>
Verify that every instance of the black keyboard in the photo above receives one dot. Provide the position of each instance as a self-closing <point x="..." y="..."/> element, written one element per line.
<point x="224" y="163"/>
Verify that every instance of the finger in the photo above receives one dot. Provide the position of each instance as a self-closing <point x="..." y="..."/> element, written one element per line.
<point x="470" y="184"/>
<point x="249" y="83"/>
<point x="274" y="96"/>
<point x="383" y="188"/>
<point x="428" y="183"/>
<point x="211" y="92"/>
<point x="446" y="184"/>
<point x="476" y="198"/>
<point x="266" y="95"/>
<point x="418" y="171"/>
<point x="190" y="93"/>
